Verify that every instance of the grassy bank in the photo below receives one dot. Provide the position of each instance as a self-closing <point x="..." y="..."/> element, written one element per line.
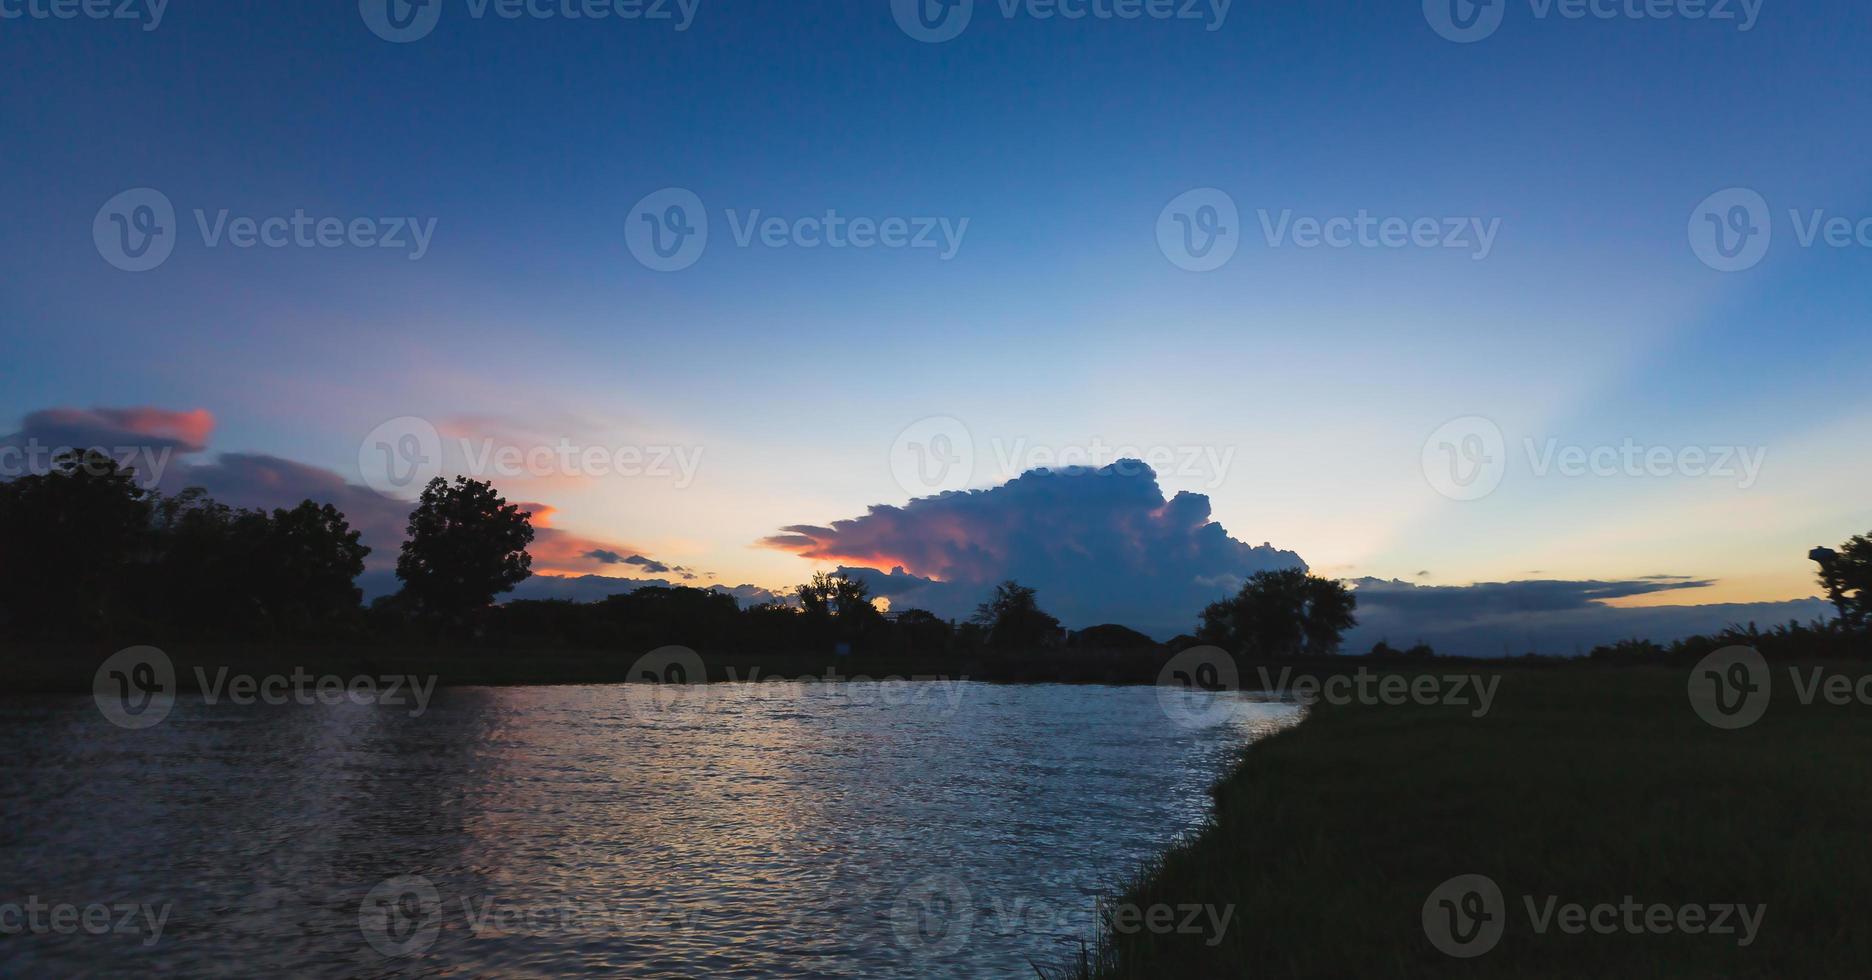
<point x="1589" y="784"/>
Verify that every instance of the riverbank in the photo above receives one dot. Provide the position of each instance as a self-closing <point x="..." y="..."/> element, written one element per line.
<point x="1578" y="786"/>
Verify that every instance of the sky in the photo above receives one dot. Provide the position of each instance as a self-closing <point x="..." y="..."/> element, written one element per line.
<point x="1628" y="349"/>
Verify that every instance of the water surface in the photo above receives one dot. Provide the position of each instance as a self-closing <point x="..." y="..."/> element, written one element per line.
<point x="738" y="830"/>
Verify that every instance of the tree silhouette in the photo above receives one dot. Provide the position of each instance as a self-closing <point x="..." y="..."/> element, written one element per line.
<point x="923" y="631"/>
<point x="316" y="558"/>
<point x="216" y="570"/>
<point x="837" y="595"/>
<point x="1280" y="614"/>
<point x="1014" y="620"/>
<point x="466" y="545"/>
<point x="69" y="535"/>
<point x="1846" y="574"/>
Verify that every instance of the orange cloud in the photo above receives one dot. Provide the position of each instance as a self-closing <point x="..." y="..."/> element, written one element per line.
<point x="187" y="431"/>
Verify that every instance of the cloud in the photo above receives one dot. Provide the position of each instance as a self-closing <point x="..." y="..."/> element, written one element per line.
<point x="144" y="440"/>
<point x="650" y="565"/>
<point x="185" y="432"/>
<point x="265" y="482"/>
<point x="1563" y="618"/>
<point x="1100" y="545"/>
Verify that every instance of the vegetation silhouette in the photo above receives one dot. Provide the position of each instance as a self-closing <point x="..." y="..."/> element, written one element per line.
<point x="1284" y="613"/>
<point x="92" y="555"/>
<point x="1014" y="620"/>
<point x="69" y="535"/>
<point x="1846" y="574"/>
<point x="466" y="545"/>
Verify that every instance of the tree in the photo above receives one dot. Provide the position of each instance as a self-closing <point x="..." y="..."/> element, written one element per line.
<point x="837" y="609"/>
<point x="1110" y="636"/>
<point x="923" y="631"/>
<point x="466" y="545"/>
<point x="69" y="536"/>
<point x="837" y="595"/>
<point x="315" y="558"/>
<point x="1281" y="613"/>
<point x="1846" y="574"/>
<point x="1014" y="620"/>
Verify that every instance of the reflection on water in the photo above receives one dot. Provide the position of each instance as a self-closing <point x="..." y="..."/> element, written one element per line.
<point x="734" y="830"/>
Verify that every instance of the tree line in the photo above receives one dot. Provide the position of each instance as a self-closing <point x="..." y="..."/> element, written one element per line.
<point x="92" y="554"/>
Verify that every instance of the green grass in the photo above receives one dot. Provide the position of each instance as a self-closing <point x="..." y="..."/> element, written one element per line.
<point x="1587" y="783"/>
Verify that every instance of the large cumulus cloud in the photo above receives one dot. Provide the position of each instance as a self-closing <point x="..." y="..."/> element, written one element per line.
<point x="1101" y="545"/>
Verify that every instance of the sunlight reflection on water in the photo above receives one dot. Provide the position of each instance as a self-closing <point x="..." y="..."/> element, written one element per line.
<point x="737" y="830"/>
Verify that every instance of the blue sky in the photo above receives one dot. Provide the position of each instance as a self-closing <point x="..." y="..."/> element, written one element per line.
<point x="1058" y="322"/>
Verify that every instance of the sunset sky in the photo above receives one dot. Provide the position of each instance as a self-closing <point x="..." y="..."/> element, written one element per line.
<point x="789" y="376"/>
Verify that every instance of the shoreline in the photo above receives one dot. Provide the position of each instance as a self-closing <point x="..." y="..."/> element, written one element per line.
<point x="1653" y="806"/>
